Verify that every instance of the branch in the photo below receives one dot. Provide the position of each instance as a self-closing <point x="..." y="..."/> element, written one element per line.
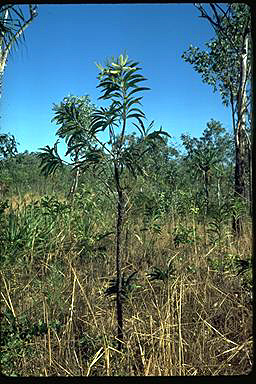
<point x="95" y="137"/>
<point x="217" y="26"/>
<point x="216" y="15"/>
<point x="15" y="37"/>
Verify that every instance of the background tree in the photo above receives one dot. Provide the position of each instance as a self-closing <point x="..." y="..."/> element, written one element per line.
<point x="208" y="153"/>
<point x="8" y="146"/>
<point x="12" y="26"/>
<point x="227" y="67"/>
<point x="73" y="115"/>
<point x="8" y="152"/>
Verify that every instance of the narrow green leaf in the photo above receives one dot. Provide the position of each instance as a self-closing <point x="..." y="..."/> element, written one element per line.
<point x="133" y="83"/>
<point x="136" y="115"/>
<point x="132" y="101"/>
<point x="136" y="110"/>
<point x="138" y="90"/>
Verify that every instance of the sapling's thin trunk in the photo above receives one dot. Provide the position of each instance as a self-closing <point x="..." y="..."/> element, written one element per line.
<point x="119" y="222"/>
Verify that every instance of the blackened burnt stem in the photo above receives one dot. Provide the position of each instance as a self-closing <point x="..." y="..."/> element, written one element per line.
<point x="119" y="222"/>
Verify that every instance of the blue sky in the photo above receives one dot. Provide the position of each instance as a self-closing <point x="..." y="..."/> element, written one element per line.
<point x="64" y="42"/>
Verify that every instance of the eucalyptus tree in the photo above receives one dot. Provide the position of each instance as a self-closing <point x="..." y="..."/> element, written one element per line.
<point x="12" y="26"/>
<point x="118" y="81"/>
<point x="226" y="66"/>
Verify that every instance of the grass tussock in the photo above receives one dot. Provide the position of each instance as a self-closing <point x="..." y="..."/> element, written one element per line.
<point x="189" y="310"/>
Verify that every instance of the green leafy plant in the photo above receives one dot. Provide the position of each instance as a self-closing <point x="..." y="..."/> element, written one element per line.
<point x="183" y="235"/>
<point x="118" y="81"/>
<point x="3" y="206"/>
<point x="13" y="237"/>
<point x="239" y="209"/>
<point x="225" y="261"/>
<point x="217" y="229"/>
<point x="162" y="274"/>
<point x="128" y="286"/>
<point x="16" y="336"/>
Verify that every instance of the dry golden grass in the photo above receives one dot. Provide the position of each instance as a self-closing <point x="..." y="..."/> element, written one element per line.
<point x="199" y="322"/>
<point x="20" y="202"/>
